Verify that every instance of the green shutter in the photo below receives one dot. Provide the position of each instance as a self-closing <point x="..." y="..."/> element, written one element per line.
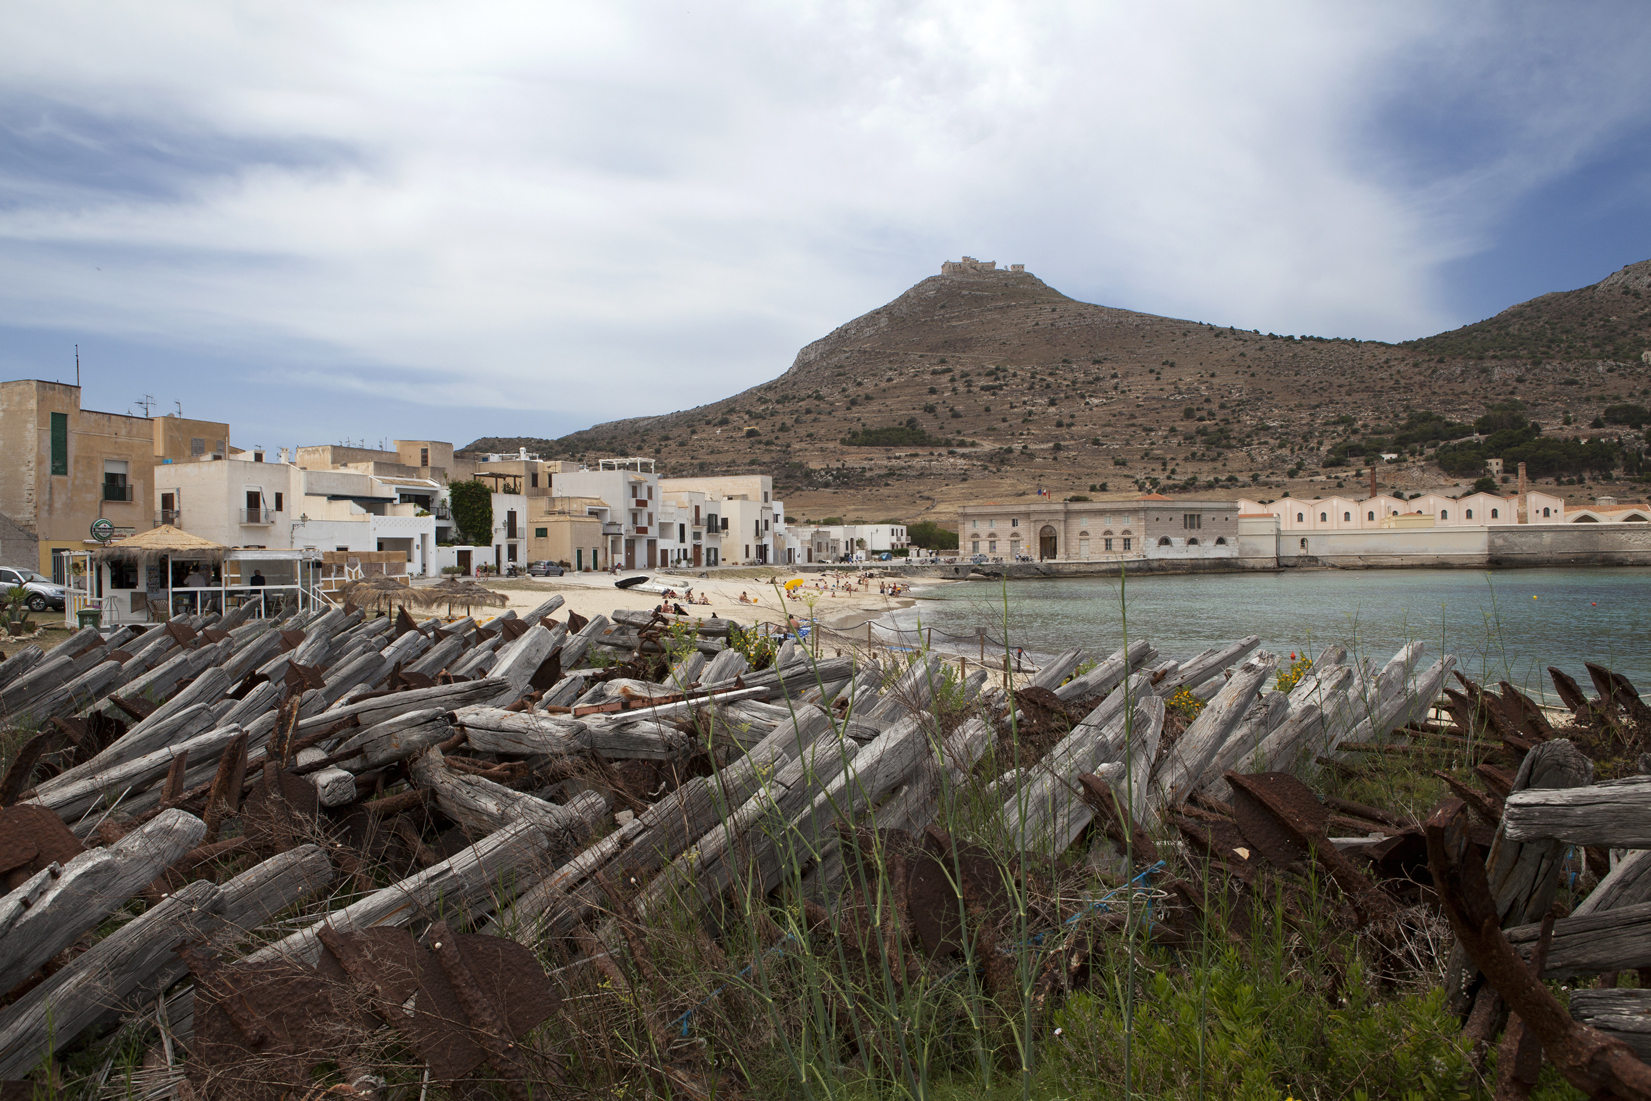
<point x="541" y="533"/>
<point x="60" y="443"/>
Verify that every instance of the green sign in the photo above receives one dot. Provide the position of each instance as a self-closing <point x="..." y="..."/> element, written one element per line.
<point x="103" y="529"/>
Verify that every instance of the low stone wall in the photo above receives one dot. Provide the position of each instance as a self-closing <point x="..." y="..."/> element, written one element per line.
<point x="1510" y="547"/>
<point x="1570" y="545"/>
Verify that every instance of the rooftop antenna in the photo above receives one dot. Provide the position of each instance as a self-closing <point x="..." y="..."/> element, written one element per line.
<point x="179" y="404"/>
<point x="145" y="403"/>
<point x="77" y="366"/>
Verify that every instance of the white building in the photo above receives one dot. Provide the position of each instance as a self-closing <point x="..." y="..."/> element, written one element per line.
<point x="242" y="503"/>
<point x="631" y="489"/>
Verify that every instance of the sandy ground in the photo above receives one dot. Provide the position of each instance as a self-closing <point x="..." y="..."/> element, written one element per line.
<point x="842" y="606"/>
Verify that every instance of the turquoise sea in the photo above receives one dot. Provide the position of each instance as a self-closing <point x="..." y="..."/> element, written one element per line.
<point x="1505" y="625"/>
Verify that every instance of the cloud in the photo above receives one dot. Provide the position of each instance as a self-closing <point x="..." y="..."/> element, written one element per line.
<point x="523" y="218"/>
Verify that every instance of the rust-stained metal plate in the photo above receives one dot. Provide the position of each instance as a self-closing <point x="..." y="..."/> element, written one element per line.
<point x="947" y="885"/>
<point x="1260" y="807"/>
<point x="262" y="1029"/>
<point x="278" y="817"/>
<point x="406" y="985"/>
<point x="30" y="825"/>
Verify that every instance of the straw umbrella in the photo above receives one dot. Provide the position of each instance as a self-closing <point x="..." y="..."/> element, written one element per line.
<point x="383" y="593"/>
<point x="464" y="593"/>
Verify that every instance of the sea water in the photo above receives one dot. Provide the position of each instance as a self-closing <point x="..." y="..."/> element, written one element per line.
<point x="1501" y="625"/>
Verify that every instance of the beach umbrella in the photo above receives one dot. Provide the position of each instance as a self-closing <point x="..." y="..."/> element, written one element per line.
<point x="464" y="593"/>
<point x="382" y="593"/>
<point x="793" y="586"/>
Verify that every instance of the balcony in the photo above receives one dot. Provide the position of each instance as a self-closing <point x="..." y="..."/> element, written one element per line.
<point x="609" y="527"/>
<point x="168" y="516"/>
<point x="442" y="512"/>
<point x="257" y="516"/>
<point x="113" y="492"/>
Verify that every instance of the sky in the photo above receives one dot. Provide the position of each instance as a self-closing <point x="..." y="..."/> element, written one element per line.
<point x="329" y="222"/>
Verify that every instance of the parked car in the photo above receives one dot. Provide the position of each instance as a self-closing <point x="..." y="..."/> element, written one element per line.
<point x="544" y="569"/>
<point x="979" y="559"/>
<point x="43" y="592"/>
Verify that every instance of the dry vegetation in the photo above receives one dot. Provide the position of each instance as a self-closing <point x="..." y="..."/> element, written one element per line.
<point x="1072" y="397"/>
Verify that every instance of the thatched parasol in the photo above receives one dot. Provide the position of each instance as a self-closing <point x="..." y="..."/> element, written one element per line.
<point x="465" y="594"/>
<point x="163" y="540"/>
<point x="383" y="593"/>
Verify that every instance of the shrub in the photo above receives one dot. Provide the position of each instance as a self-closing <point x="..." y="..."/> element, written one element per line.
<point x="472" y="510"/>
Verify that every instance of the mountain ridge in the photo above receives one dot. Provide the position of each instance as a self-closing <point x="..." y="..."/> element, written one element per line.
<point x="992" y="380"/>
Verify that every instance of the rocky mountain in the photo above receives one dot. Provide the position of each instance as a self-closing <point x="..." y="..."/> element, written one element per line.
<point x="983" y="383"/>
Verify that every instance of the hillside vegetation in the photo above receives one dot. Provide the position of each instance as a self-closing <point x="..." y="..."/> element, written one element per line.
<point x="991" y="384"/>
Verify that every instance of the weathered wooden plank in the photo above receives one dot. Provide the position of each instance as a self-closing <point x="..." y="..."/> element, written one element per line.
<point x="1109" y="673"/>
<point x="484" y="806"/>
<point x="1196" y="670"/>
<point x="88" y="888"/>
<point x="73" y="799"/>
<point x="1186" y="760"/>
<point x="461" y="886"/>
<point x="1614" y="814"/>
<point x="1523" y="875"/>
<point x="394" y="739"/>
<point x="1607" y="940"/>
<point x="1622" y="1014"/>
<point x="1628" y="884"/>
<point x="138" y="961"/>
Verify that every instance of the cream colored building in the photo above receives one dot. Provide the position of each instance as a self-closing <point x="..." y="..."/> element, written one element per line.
<point x="66" y="467"/>
<point x="1338" y="513"/>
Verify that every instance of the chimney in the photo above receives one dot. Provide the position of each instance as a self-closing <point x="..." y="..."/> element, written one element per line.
<point x="1524" y="488"/>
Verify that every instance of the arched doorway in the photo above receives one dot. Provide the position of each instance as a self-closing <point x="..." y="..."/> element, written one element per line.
<point x="1047" y="546"/>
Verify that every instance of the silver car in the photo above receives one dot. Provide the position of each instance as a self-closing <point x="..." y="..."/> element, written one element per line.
<point x="43" y="591"/>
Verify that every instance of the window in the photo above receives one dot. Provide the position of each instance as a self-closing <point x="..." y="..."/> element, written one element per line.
<point x="60" y="443"/>
<point x="1323" y="518"/>
<point x="991" y="545"/>
<point x="1300" y="518"/>
<point x="1304" y="544"/>
<point x="197" y="446"/>
<point x="424" y="456"/>
<point x="1220" y="540"/>
<point x="1163" y="541"/>
<point x="974" y="546"/>
<point x="1126" y="544"/>
<point x="1107" y="545"/>
<point x="1372" y="516"/>
<point x="1469" y="515"/>
<point x="541" y="533"/>
<point x="1192" y="521"/>
<point x="975" y="524"/>
<point x="1545" y="512"/>
<point x="1192" y="542"/>
<point x="279" y="505"/>
<point x="533" y="480"/>
<point x="115" y="487"/>
<point x="765" y="496"/>
<point x="1495" y="513"/>
<point x="991" y="523"/>
<point x="1014" y="523"/>
<point x="1346" y="516"/>
<point x="682" y="533"/>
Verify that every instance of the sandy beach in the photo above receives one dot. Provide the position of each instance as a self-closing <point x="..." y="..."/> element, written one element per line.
<point x="845" y="602"/>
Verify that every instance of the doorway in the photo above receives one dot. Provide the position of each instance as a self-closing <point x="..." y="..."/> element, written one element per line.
<point x="1046" y="542"/>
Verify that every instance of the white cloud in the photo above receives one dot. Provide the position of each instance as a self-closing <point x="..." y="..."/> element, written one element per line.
<point x="617" y="209"/>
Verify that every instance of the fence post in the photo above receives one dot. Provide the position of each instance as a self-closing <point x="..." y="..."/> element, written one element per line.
<point x="981" y="631"/>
